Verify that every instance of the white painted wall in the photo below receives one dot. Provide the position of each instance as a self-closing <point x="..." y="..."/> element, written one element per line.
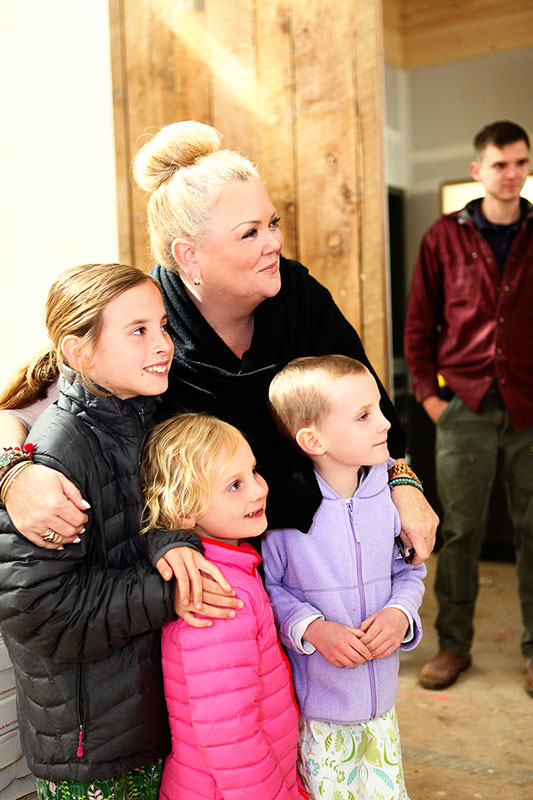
<point x="58" y="202"/>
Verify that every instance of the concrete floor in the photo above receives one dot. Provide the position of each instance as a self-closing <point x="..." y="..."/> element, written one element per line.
<point x="474" y="739"/>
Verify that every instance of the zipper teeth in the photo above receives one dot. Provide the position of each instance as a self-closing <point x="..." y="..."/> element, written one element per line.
<point x="370" y="665"/>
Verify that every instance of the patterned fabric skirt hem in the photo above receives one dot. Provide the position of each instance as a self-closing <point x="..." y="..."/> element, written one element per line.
<point x="352" y="762"/>
<point x="137" y="784"/>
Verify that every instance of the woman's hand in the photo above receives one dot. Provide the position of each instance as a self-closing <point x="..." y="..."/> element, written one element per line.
<point x="341" y="645"/>
<point x="200" y="580"/>
<point x="384" y="631"/>
<point x="41" y="498"/>
<point x="419" y="521"/>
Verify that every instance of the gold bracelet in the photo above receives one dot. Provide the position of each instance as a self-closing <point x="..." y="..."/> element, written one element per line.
<point x="403" y="471"/>
<point x="10" y="477"/>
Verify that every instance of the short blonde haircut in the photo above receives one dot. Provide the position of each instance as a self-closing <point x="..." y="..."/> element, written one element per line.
<point x="184" y="171"/>
<point x="298" y="394"/>
<point x="178" y="468"/>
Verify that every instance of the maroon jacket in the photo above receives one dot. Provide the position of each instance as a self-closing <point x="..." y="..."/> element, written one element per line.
<point x="469" y="323"/>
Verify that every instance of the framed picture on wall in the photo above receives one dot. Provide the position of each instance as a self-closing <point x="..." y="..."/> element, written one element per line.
<point x="454" y="195"/>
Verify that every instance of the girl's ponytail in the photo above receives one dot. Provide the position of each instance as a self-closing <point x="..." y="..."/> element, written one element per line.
<point x="32" y="381"/>
<point x="75" y="306"/>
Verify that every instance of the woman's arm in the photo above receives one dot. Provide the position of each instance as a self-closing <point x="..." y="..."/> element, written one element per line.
<point x="13" y="432"/>
<point x="40" y="498"/>
<point x="418" y="520"/>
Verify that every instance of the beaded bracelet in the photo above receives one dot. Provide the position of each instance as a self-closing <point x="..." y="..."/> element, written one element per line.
<point x="12" y="456"/>
<point x="405" y="481"/>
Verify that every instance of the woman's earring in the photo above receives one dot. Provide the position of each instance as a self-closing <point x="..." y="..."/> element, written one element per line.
<point x="196" y="281"/>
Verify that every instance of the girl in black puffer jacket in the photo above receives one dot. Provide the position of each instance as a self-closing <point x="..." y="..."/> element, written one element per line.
<point x="82" y="624"/>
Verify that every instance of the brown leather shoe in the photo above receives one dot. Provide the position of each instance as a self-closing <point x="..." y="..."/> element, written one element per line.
<point x="529" y="676"/>
<point x="444" y="669"/>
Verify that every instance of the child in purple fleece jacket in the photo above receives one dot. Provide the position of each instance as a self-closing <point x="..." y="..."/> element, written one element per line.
<point x="343" y="595"/>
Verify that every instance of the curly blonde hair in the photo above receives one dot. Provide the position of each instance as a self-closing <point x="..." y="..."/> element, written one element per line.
<point x="184" y="171"/>
<point x="182" y="460"/>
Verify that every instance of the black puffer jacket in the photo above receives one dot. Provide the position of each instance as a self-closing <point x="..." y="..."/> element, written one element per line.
<point x="82" y="624"/>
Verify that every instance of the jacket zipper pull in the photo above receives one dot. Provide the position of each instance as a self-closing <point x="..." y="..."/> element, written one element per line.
<point x="79" y="752"/>
<point x="141" y="414"/>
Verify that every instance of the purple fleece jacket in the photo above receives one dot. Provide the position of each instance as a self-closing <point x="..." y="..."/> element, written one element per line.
<point x="345" y="568"/>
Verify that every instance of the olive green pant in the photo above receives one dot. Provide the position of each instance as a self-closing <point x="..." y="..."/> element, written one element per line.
<point x="467" y="446"/>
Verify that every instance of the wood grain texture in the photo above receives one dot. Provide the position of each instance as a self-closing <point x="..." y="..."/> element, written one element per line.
<point x="296" y="86"/>
<point x="368" y="71"/>
<point x="275" y="114"/>
<point x="422" y="32"/>
<point x="326" y="150"/>
<point x="122" y="141"/>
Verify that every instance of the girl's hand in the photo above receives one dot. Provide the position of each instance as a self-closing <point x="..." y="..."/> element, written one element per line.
<point x="384" y="631"/>
<point x="41" y="498"/>
<point x="341" y="645"/>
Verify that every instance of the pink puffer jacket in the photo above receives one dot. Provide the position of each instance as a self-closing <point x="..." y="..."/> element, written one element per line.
<point x="233" y="717"/>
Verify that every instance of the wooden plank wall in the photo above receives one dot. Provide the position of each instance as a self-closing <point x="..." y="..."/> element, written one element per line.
<point x="297" y="86"/>
<point x="422" y="32"/>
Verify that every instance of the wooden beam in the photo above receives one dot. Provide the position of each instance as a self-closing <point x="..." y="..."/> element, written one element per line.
<point x="328" y="185"/>
<point x="368" y="80"/>
<point x="423" y="32"/>
<point x="276" y="118"/>
<point x="122" y="141"/>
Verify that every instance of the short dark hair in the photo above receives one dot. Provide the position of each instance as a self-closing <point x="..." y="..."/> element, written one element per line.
<point x="500" y="134"/>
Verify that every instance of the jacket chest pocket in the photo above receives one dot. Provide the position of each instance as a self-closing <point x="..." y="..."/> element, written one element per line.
<point x="462" y="275"/>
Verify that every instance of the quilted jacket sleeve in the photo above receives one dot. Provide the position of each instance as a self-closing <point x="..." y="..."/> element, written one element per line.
<point x="159" y="542"/>
<point x="223" y="697"/>
<point x="63" y="609"/>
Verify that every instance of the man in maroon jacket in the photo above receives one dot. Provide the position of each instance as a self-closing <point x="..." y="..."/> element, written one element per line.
<point x="469" y="348"/>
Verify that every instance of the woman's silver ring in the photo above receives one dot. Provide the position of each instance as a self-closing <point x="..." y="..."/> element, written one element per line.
<point x="50" y="536"/>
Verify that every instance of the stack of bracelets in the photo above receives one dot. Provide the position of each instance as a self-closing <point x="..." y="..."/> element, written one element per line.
<point x="402" y="474"/>
<point x="12" y="461"/>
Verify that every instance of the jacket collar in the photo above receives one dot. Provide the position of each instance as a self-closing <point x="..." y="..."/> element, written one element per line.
<point x="124" y="418"/>
<point x="466" y="214"/>
<point x="242" y="555"/>
<point x="372" y="482"/>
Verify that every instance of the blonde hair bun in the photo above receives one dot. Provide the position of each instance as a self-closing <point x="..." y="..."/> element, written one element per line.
<point x="175" y="146"/>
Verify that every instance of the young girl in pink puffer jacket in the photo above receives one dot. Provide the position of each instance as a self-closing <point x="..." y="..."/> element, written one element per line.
<point x="233" y="718"/>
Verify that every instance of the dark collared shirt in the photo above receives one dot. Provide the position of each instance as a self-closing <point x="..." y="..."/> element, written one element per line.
<point x="468" y="321"/>
<point x="499" y="237"/>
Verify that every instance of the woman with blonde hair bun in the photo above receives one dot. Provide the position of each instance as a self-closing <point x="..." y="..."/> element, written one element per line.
<point x="238" y="312"/>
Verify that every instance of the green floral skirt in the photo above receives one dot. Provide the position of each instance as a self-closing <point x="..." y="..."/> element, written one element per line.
<point x="138" y="784"/>
<point x="352" y="762"/>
